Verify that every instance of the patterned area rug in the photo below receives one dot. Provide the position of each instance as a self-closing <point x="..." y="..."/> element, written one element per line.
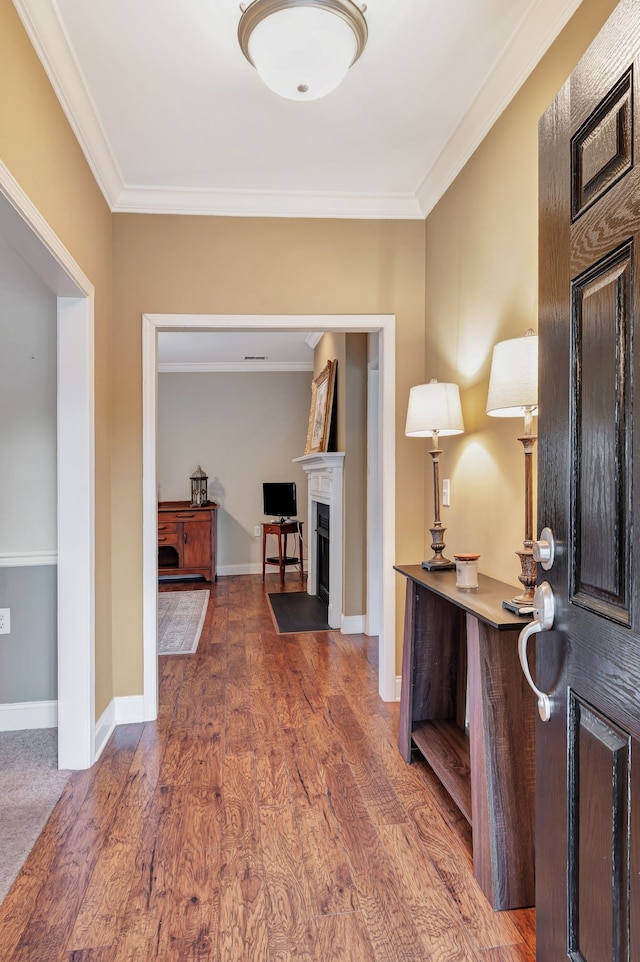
<point x="181" y="616"/>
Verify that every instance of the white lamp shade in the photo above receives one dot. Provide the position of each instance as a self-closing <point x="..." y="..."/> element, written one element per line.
<point x="302" y="53"/>
<point x="432" y="408"/>
<point x="513" y="383"/>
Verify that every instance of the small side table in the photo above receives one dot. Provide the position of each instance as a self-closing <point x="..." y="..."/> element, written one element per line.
<point x="282" y="530"/>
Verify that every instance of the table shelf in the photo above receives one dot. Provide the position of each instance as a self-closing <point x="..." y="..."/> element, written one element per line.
<point x="446" y="747"/>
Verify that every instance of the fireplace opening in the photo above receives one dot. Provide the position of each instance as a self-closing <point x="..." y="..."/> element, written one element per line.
<point x="322" y="535"/>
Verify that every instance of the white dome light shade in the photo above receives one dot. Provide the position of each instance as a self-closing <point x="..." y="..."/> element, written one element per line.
<point x="302" y="49"/>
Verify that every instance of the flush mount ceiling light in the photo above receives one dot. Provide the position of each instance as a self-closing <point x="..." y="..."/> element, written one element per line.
<point x="302" y="49"/>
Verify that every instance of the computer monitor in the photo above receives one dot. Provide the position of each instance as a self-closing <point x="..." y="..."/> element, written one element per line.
<point x="279" y="499"/>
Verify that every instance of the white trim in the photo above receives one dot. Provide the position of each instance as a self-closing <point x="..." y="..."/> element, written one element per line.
<point x="384" y="326"/>
<point x="25" y="715"/>
<point x="121" y="710"/>
<point x="532" y="38"/>
<point x="24" y="228"/>
<point x="28" y="559"/>
<point x="149" y="520"/>
<point x="129" y="709"/>
<point x="325" y="485"/>
<point x="232" y="367"/>
<point x="252" y="568"/>
<point x="104" y="728"/>
<point x="51" y="43"/>
<point x="313" y="339"/>
<point x="398" y="687"/>
<point x="352" y="624"/>
<point x="372" y="621"/>
<point x="140" y="199"/>
<point x="76" y="527"/>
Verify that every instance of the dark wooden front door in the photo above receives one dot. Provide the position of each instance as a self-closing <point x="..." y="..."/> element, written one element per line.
<point x="588" y="791"/>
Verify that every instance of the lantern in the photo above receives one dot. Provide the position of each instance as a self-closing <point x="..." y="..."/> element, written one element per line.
<point x="199" y="488"/>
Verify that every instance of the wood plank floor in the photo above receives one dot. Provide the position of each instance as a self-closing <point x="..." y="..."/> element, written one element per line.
<point x="266" y="816"/>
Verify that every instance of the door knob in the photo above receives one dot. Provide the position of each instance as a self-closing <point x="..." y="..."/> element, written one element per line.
<point x="544" y="609"/>
<point x="544" y="550"/>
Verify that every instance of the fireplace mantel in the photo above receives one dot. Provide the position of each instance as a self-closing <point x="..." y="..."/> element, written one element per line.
<point x="325" y="476"/>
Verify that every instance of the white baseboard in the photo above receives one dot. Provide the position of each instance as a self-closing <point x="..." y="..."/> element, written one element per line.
<point x="104" y="727"/>
<point x="28" y="714"/>
<point x="129" y="709"/>
<point x="352" y="624"/>
<point x="254" y="568"/>
<point x="398" y="686"/>
<point x="122" y="710"/>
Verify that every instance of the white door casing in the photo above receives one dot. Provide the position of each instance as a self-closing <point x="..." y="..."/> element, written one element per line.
<point x="26" y="231"/>
<point x="381" y="324"/>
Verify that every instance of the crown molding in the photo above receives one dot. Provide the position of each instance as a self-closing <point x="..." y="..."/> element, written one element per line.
<point x="314" y="339"/>
<point x="40" y="18"/>
<point x="266" y="203"/>
<point x="232" y="367"/>
<point x="530" y="41"/>
<point x="46" y="32"/>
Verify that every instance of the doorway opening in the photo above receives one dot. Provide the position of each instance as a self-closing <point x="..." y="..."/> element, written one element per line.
<point x="382" y="330"/>
<point x="25" y="230"/>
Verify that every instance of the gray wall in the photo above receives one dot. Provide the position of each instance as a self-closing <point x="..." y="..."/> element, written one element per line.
<point x="27" y="482"/>
<point x="28" y="656"/>
<point x="242" y="429"/>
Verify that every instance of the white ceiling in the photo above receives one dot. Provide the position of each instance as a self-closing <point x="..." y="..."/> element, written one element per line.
<point x="172" y="118"/>
<point x="227" y="351"/>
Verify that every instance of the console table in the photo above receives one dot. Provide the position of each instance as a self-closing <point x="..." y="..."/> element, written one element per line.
<point x="282" y="530"/>
<point x="187" y="539"/>
<point x="466" y="707"/>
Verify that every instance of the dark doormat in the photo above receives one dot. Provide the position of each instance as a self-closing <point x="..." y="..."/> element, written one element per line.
<point x="295" y="611"/>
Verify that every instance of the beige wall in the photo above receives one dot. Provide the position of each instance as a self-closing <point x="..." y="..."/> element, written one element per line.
<point x="481" y="284"/>
<point x="479" y="247"/>
<point x="245" y="266"/>
<point x="242" y="428"/>
<point x="332" y="346"/>
<point x="38" y="147"/>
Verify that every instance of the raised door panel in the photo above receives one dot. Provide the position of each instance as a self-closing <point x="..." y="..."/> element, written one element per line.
<point x="196" y="538"/>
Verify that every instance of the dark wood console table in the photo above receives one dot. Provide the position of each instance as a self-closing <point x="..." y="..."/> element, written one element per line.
<point x="456" y="642"/>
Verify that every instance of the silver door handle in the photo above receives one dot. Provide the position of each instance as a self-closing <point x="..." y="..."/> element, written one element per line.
<point x="544" y="550"/>
<point x="543" y="615"/>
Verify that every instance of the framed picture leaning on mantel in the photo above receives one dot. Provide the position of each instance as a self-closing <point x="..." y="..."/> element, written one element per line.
<point x="322" y="390"/>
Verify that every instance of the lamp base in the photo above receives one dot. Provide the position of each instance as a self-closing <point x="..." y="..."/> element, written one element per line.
<point x="528" y="576"/>
<point x="438" y="562"/>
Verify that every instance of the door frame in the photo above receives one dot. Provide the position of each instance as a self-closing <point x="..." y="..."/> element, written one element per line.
<point x="383" y="325"/>
<point x="28" y="233"/>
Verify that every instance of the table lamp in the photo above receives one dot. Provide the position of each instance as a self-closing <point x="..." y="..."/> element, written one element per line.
<point x="513" y="392"/>
<point x="434" y="410"/>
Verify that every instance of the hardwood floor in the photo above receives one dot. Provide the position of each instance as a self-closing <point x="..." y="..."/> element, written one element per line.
<point x="266" y="816"/>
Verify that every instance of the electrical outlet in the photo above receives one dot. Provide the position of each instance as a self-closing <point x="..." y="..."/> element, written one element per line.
<point x="5" y="621"/>
<point x="446" y="493"/>
<point x="257" y="531"/>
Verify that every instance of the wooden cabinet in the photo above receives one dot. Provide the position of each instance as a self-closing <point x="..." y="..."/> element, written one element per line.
<point x="186" y="540"/>
<point x="460" y="664"/>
